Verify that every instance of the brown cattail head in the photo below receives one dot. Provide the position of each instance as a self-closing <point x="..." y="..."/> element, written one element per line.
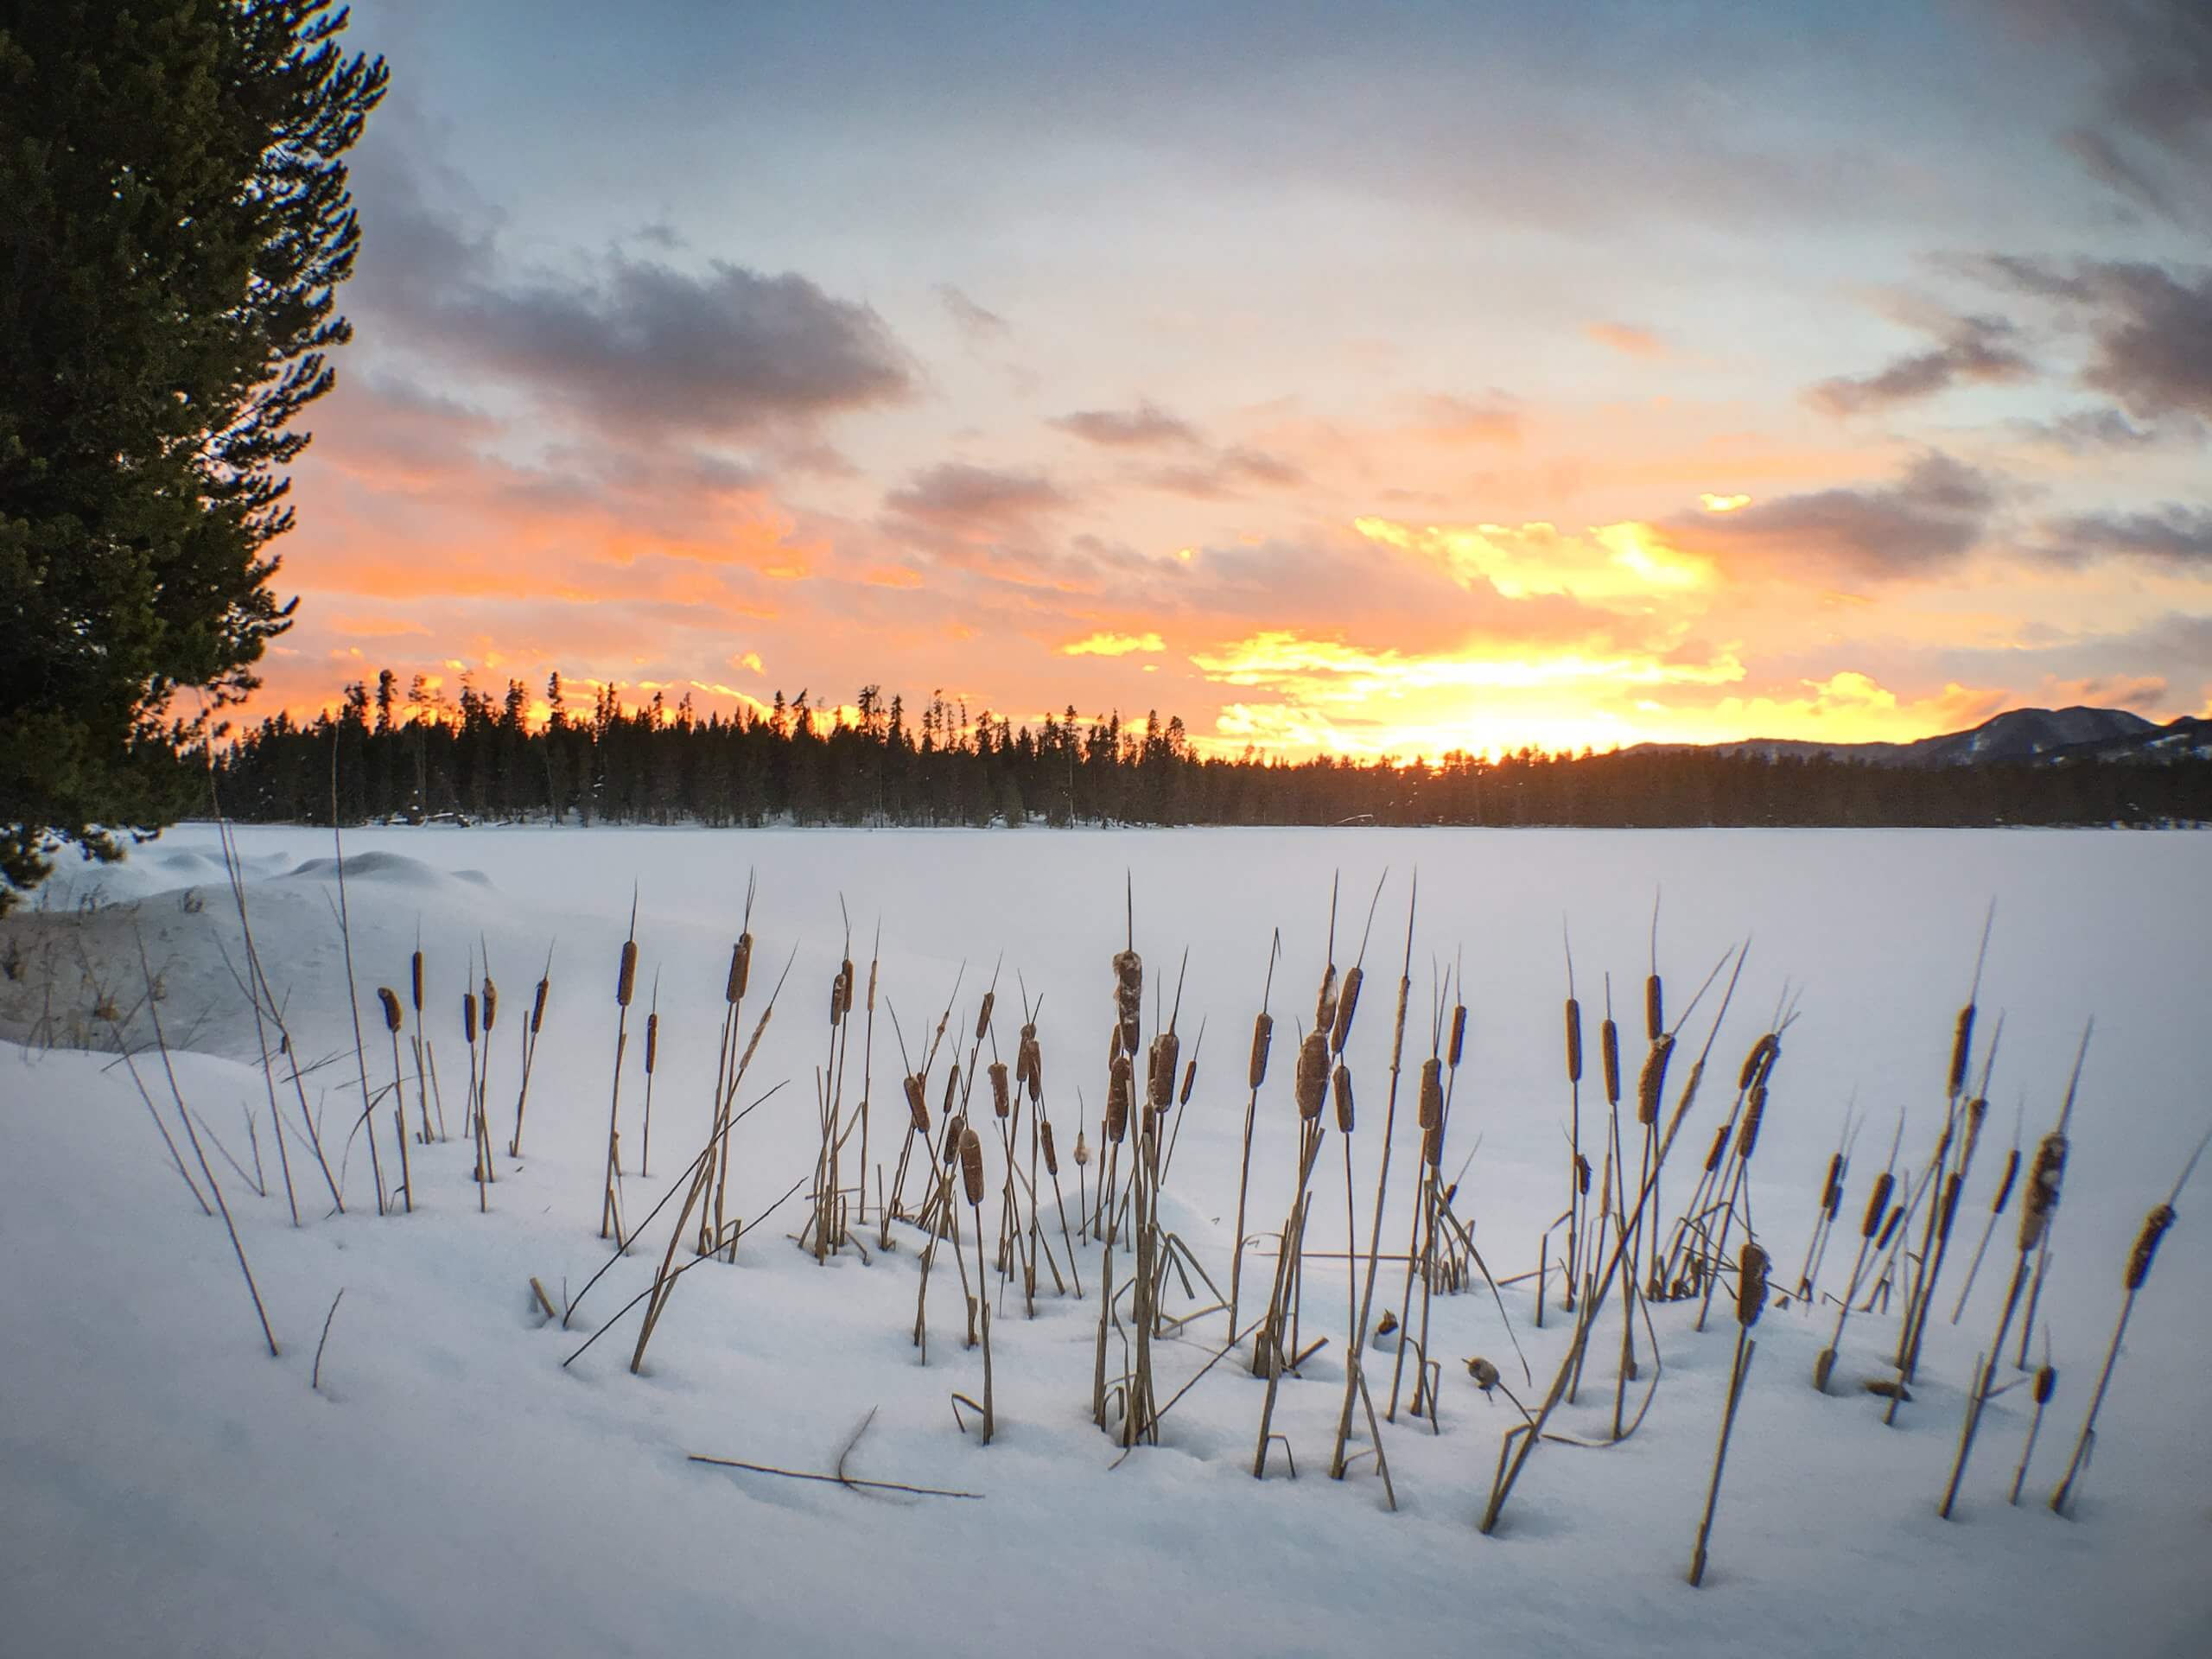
<point x="1977" y="1113"/>
<point x="841" y="997"/>
<point x="1347" y="1005"/>
<point x="1458" y="1036"/>
<point x="390" y="998"/>
<point x="956" y="1125"/>
<point x="626" y="978"/>
<point x="2040" y="1197"/>
<point x="873" y="963"/>
<point x="652" y="1041"/>
<point x="2005" y="1183"/>
<point x="1387" y="1323"/>
<point x="845" y="978"/>
<point x="468" y="1015"/>
<point x="983" y="1015"/>
<point x="1324" y="1005"/>
<point x="1889" y="1227"/>
<point x="1651" y="1084"/>
<point x="1574" y="1040"/>
<point x="1002" y="1096"/>
<point x="416" y="968"/>
<point x="2046" y="1383"/>
<point x="1961" y="1047"/>
<point x="1582" y="1174"/>
<point x="1432" y="1145"/>
<point x="1081" y="1148"/>
<point x="1747" y="1138"/>
<point x="1312" y="1088"/>
<point x="1128" y="997"/>
<point x="1758" y="1061"/>
<point x="917" y="1105"/>
<point x="1036" y="1071"/>
<point x="1160" y="1082"/>
<point x="1720" y="1149"/>
<point x="1432" y="1093"/>
<point x="1877" y="1204"/>
<point x="1021" y="1055"/>
<point x="1044" y="1140"/>
<point x="740" y="967"/>
<point x="538" y="1005"/>
<point x="1609" y="1051"/>
<point x="1483" y="1373"/>
<point x="491" y="1002"/>
<point x="1263" y="1032"/>
<point x="1654" y="1008"/>
<point x="2147" y="1245"/>
<point x="1834" y="1204"/>
<point x="971" y="1165"/>
<point x="1117" y="1098"/>
<point x="1833" y="1185"/>
<point x="1949" y="1212"/>
<point x="1342" y="1080"/>
<point x="1750" y="1286"/>
<point x="951" y="1091"/>
<point x="1190" y="1081"/>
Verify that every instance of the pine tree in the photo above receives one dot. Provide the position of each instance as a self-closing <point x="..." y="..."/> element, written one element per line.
<point x="175" y="218"/>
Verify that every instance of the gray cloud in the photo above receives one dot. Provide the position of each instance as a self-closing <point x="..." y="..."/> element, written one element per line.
<point x="2151" y="140"/>
<point x="956" y="496"/>
<point x="2086" y="431"/>
<point x="2172" y="535"/>
<point x="980" y="324"/>
<point x="1145" y="427"/>
<point x="1976" y="350"/>
<point x="1931" y="517"/>
<point x="1222" y="474"/>
<point x="2151" y="331"/>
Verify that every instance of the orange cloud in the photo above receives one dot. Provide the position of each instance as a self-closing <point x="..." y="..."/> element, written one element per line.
<point x="1112" y="645"/>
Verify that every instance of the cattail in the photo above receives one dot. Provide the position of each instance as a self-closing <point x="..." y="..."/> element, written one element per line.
<point x="1458" y="1035"/>
<point x="491" y="1003"/>
<point x="873" y="962"/>
<point x="952" y="1092"/>
<point x="1312" y="1083"/>
<point x="1432" y="1093"/>
<point x="1324" y="1005"/>
<point x="740" y="967"/>
<point x="1021" y="1052"/>
<point x="468" y="1015"/>
<point x="626" y="980"/>
<point x="1609" y="1050"/>
<point x="1263" y="1034"/>
<point x="1877" y="1204"/>
<point x="1651" y="1085"/>
<point x="2046" y="1383"/>
<point x="2041" y="1197"/>
<point x="1720" y="1149"/>
<point x="1081" y="1148"/>
<point x="1574" y="1040"/>
<point x="1654" y="1017"/>
<point x="1750" y="1286"/>
<point x="1977" y="1110"/>
<point x="1347" y="1005"/>
<point x="956" y="1133"/>
<point x="1961" y="1046"/>
<point x="1190" y="1081"/>
<point x="1343" y="1099"/>
<point x="2005" y="1185"/>
<point x="845" y="978"/>
<point x="983" y="1015"/>
<point x="1002" y="1097"/>
<point x="1582" y="1174"/>
<point x="1757" y="1061"/>
<point x="1036" y="1072"/>
<point x="652" y="1041"/>
<point x="1432" y="1145"/>
<point x="2147" y="1245"/>
<point x="391" y="1001"/>
<point x="1747" y="1138"/>
<point x="1889" y="1227"/>
<point x="1832" y="1188"/>
<point x="1483" y="1373"/>
<point x="1949" y="1211"/>
<point x="917" y="1106"/>
<point x="415" y="968"/>
<point x="1129" y="997"/>
<point x="1160" y="1080"/>
<point x="538" y="1005"/>
<point x="1117" y="1099"/>
<point x="840" y="998"/>
<point x="971" y="1165"/>
<point x="1044" y="1140"/>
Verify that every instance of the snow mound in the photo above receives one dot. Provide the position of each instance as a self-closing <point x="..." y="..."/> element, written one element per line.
<point x="389" y="870"/>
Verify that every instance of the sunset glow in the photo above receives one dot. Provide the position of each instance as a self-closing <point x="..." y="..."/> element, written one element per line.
<point x="1349" y="446"/>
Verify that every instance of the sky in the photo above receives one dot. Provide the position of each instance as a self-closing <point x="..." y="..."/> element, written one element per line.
<point x="1372" y="381"/>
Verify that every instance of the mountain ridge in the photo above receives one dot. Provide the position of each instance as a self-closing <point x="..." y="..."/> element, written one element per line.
<point x="2076" y="732"/>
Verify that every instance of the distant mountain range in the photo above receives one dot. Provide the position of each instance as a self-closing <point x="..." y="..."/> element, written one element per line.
<point x="2018" y="735"/>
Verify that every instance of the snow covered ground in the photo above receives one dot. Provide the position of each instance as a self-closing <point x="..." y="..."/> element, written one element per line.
<point x="166" y="1487"/>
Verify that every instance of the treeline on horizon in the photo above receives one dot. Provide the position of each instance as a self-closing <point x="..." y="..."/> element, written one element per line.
<point x="414" y="757"/>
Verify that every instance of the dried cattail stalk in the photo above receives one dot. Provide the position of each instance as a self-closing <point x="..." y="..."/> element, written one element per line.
<point x="1190" y="1081"/>
<point x="740" y="967"/>
<point x="1582" y="1175"/>
<point x="1432" y="1093"/>
<point x="1889" y="1228"/>
<point x="1021" y="1052"/>
<point x="1347" y="1005"/>
<point x="1311" y="1086"/>
<point x="491" y="1003"/>
<point x="625" y="979"/>
<point x="1263" y="1031"/>
<point x="1832" y="1188"/>
<point x="1002" y="1096"/>
<point x="1082" y="1149"/>
<point x="1458" y="1035"/>
<point x="917" y="1105"/>
<point x="952" y="1092"/>
<point x="1757" y="1062"/>
<point x="538" y="1007"/>
<point x="956" y="1130"/>
<point x="391" y="1001"/>
<point x="1655" y="1018"/>
<point x="845" y="978"/>
<point x="983" y="1015"/>
<point x="1036" y="1072"/>
<point x="416" y="968"/>
<point x="2147" y="1245"/>
<point x="1432" y="1145"/>
<point x="468" y="1015"/>
<point x="1651" y="1085"/>
<point x="1720" y="1149"/>
<point x="1747" y="1138"/>
<point x="1574" y="1040"/>
<point x="1128" y="997"/>
<point x="1343" y="1082"/>
<point x="1877" y="1204"/>
<point x="841" y="998"/>
<point x="1160" y="1079"/>
<point x="1045" y="1142"/>
<point x="1609" y="1048"/>
<point x="1750" y="1286"/>
<point x="2040" y="1199"/>
<point x="1962" y="1049"/>
<point x="1117" y="1099"/>
<point x="971" y="1165"/>
<point x="652" y="1042"/>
